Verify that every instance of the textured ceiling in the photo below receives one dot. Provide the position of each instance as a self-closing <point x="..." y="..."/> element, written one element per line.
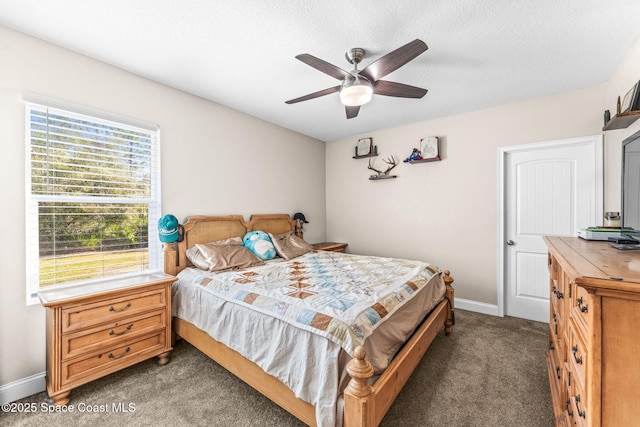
<point x="241" y="53"/>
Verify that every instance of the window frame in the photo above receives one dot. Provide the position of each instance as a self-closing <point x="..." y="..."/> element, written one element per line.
<point x="153" y="202"/>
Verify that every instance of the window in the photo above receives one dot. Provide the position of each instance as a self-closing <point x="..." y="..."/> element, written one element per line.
<point x="93" y="198"/>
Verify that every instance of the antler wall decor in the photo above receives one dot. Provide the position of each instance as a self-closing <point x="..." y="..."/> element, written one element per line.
<point x="383" y="174"/>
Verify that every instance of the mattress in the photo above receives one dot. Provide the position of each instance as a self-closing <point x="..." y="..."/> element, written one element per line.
<point x="270" y="319"/>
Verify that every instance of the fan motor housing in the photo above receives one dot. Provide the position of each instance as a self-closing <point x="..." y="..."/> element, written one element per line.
<point x="355" y="55"/>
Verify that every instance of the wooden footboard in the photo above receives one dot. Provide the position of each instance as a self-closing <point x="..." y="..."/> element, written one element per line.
<point x="366" y="405"/>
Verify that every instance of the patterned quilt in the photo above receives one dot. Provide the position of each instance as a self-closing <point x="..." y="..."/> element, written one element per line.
<point x="342" y="297"/>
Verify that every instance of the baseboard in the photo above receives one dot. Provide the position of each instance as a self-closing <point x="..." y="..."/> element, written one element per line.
<point x="478" y="307"/>
<point x="22" y="388"/>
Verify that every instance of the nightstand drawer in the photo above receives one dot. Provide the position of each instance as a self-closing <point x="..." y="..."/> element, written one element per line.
<point x="112" y="359"/>
<point x="108" y="335"/>
<point x="110" y="310"/>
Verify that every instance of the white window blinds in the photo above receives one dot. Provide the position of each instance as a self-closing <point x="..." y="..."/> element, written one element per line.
<point x="93" y="201"/>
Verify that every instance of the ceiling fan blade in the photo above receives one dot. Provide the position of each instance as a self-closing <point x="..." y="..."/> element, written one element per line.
<point x="393" y="60"/>
<point x="352" y="111"/>
<point x="324" y="66"/>
<point x="314" y="95"/>
<point x="401" y="90"/>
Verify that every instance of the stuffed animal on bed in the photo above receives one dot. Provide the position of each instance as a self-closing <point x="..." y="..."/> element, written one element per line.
<point x="259" y="243"/>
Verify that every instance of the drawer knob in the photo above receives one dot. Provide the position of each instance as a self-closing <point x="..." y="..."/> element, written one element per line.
<point x="117" y="334"/>
<point x="583" y="308"/>
<point x="111" y="356"/>
<point x="574" y="350"/>
<point x="118" y="310"/>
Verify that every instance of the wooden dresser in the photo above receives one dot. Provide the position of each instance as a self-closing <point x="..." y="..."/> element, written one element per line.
<point x="94" y="330"/>
<point x="594" y="333"/>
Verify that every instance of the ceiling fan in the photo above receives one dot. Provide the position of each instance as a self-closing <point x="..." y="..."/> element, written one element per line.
<point x="358" y="86"/>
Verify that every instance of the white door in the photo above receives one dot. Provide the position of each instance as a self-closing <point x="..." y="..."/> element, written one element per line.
<point x="551" y="188"/>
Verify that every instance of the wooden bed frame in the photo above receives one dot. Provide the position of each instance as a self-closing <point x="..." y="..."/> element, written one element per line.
<point x="364" y="405"/>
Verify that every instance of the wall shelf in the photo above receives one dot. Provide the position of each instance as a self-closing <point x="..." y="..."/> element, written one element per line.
<point x="376" y="177"/>
<point x="366" y="155"/>
<point x="622" y="120"/>
<point x="435" y="159"/>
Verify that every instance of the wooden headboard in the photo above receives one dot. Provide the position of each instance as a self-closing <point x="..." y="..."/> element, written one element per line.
<point x="205" y="229"/>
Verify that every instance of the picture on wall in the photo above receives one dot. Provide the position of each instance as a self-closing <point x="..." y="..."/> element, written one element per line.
<point x="364" y="147"/>
<point x="429" y="147"/>
<point x="631" y="100"/>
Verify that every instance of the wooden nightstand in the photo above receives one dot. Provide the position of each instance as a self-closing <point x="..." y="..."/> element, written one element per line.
<point x="95" y="330"/>
<point x="329" y="246"/>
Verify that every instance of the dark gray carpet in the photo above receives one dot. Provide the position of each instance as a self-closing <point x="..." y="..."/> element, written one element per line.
<point x="490" y="372"/>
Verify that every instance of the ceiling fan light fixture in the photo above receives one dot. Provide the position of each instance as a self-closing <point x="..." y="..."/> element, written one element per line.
<point x="356" y="92"/>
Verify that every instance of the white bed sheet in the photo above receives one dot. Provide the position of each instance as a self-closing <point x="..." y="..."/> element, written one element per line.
<point x="315" y="372"/>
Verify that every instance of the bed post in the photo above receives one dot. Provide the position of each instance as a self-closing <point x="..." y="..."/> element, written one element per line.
<point x="359" y="402"/>
<point x="170" y="258"/>
<point x="451" y="320"/>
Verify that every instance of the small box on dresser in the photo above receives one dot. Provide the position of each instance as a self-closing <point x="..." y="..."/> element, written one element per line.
<point x="594" y="333"/>
<point x="97" y="329"/>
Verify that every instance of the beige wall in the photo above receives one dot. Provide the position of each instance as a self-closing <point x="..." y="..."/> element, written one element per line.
<point x="625" y="76"/>
<point x="447" y="212"/>
<point x="214" y="161"/>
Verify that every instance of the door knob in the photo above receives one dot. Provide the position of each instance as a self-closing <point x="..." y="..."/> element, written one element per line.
<point x="510" y="242"/>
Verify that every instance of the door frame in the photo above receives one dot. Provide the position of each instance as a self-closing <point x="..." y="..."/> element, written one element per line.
<point x="596" y="142"/>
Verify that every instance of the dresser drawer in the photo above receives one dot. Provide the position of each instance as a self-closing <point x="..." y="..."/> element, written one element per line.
<point x="553" y="266"/>
<point x="555" y="372"/>
<point x="577" y="355"/>
<point x="578" y="405"/>
<point x="88" y="340"/>
<point x="110" y="310"/>
<point x="581" y="305"/>
<point x="555" y="325"/>
<point x="556" y="301"/>
<point x="111" y="359"/>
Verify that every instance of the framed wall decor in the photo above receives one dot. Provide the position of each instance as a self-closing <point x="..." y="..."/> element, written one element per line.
<point x="429" y="148"/>
<point x="364" y="147"/>
<point x="631" y="100"/>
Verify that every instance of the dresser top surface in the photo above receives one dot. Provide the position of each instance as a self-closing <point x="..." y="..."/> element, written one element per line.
<point x="63" y="293"/>
<point x="597" y="259"/>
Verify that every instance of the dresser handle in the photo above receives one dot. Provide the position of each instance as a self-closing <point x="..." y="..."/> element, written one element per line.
<point x="583" y="414"/>
<point x="111" y="356"/>
<point x="574" y="350"/>
<point x="568" y="405"/>
<point x="558" y="373"/>
<point x="120" y="309"/>
<point x="117" y="334"/>
<point x="559" y="294"/>
<point x="582" y="308"/>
